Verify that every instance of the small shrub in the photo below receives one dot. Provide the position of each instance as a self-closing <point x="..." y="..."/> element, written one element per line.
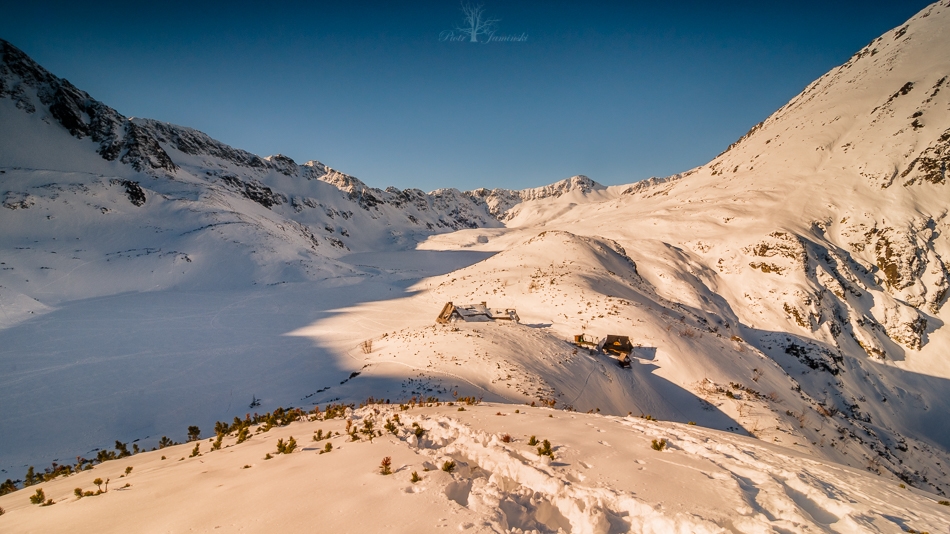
<point x="128" y="470"/>
<point x="165" y="442"/>
<point x="532" y="441"/>
<point x="194" y="452"/>
<point x="193" y="433"/>
<point x="246" y="466"/>
<point x="691" y="423"/>
<point x="39" y="497"/>
<point x="390" y="426"/>
<point x="658" y="445"/>
<point x="267" y="456"/>
<point x="243" y="434"/>
<point x="78" y="493"/>
<point x="415" y="477"/>
<point x="385" y="467"/>
<point x="545" y="449"/>
<point x="8" y="486"/>
<point x="286" y="448"/>
<point x="327" y="448"/>
<point x="517" y="411"/>
<point x="419" y="431"/>
<point x="98" y="483"/>
<point x="448" y="466"/>
<point x="461" y="408"/>
<point x="216" y="446"/>
<point x="506" y="438"/>
<point x="2" y="511"/>
<point x="163" y="457"/>
<point x="945" y="503"/>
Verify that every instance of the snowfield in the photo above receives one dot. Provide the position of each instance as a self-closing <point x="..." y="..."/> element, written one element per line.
<point x="603" y="475"/>
<point x="786" y="303"/>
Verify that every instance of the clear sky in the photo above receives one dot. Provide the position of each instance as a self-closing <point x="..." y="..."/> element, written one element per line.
<point x="619" y="91"/>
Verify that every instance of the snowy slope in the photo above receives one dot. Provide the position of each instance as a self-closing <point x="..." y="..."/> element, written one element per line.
<point x="791" y="290"/>
<point x="786" y="265"/>
<point x="603" y="476"/>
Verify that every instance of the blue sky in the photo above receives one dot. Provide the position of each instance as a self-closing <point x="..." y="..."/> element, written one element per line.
<point x="619" y="91"/>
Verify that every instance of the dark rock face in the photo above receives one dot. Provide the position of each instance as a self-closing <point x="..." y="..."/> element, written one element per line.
<point x="931" y="164"/>
<point x="79" y="113"/>
<point x="133" y="190"/>
<point x="255" y="191"/>
<point x="197" y="143"/>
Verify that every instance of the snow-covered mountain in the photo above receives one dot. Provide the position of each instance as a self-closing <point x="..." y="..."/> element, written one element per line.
<point x="808" y="263"/>
<point x="793" y="289"/>
<point x="142" y="181"/>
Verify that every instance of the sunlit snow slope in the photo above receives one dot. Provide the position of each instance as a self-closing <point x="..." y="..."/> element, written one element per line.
<point x="793" y="289"/>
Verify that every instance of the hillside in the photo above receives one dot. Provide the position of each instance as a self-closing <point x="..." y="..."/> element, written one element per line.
<point x="477" y="471"/>
<point x="792" y="290"/>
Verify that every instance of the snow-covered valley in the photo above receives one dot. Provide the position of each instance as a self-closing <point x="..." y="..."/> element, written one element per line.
<point x="786" y="303"/>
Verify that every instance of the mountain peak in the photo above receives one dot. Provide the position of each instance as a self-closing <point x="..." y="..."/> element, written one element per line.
<point x="883" y="112"/>
<point x="33" y="89"/>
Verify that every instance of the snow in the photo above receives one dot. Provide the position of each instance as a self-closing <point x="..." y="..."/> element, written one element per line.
<point x="788" y="298"/>
<point x="604" y="477"/>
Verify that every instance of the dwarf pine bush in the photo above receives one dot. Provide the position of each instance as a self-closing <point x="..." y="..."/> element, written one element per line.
<point x="7" y="487"/>
<point x="193" y="433"/>
<point x="658" y="445"/>
<point x="327" y="448"/>
<point x="390" y="426"/>
<point x="532" y="441"/>
<point x="385" y="467"/>
<point x="122" y="449"/>
<point x="194" y="452"/>
<point x="545" y="449"/>
<point x="448" y="466"/>
<point x="243" y="434"/>
<point x="220" y="427"/>
<point x="415" y="477"/>
<point x="288" y="447"/>
<point x="79" y="493"/>
<point x="39" y="497"/>
<point x="506" y="438"/>
<point x="165" y="442"/>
